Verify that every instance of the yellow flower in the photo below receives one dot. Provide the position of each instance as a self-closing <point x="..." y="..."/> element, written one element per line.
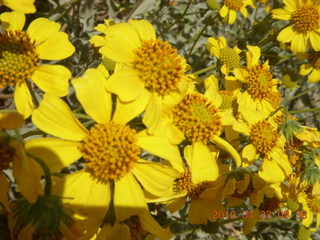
<point x="197" y="118"/>
<point x="110" y="151"/>
<point x="230" y="8"/>
<point x="261" y="93"/>
<point x="24" y="6"/>
<point x="25" y="170"/>
<point x="228" y="56"/>
<point x="199" y="183"/>
<point x="312" y="67"/>
<point x="310" y="204"/>
<point x="266" y="202"/>
<point x="153" y="71"/>
<point x="305" y="29"/>
<point x="21" y="53"/>
<point x="264" y="142"/>
<point x="240" y="185"/>
<point x="10" y="120"/>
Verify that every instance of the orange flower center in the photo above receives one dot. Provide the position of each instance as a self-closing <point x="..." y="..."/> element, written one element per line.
<point x="159" y="66"/>
<point x="263" y="136"/>
<point x="18" y="57"/>
<point x="197" y="118"/>
<point x="260" y="84"/>
<point x="234" y="4"/>
<point x="230" y="57"/>
<point x="110" y="151"/>
<point x="185" y="183"/>
<point x="306" y="18"/>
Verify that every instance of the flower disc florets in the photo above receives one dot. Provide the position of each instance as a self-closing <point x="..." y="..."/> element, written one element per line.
<point x="18" y="57"/>
<point x="159" y="66"/>
<point x="110" y="151"/>
<point x="306" y="18"/>
<point x="197" y="118"/>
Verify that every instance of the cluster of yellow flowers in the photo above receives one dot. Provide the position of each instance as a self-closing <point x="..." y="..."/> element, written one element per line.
<point x="219" y="143"/>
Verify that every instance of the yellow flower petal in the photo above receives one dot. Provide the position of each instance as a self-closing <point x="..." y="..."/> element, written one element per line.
<point x="146" y="172"/>
<point x="10" y="120"/>
<point x="199" y="211"/>
<point x="121" y="36"/>
<point x="23" y="100"/>
<point x="253" y="55"/>
<point x="57" y="47"/>
<point x="12" y="20"/>
<point x="97" y="41"/>
<point x="281" y="14"/>
<point x="84" y="195"/>
<point x="144" y="29"/>
<point x="227" y="147"/>
<point x="223" y="11"/>
<point x="203" y="163"/>
<point x="115" y="232"/>
<point x="133" y="203"/>
<point x="249" y="152"/>
<point x="315" y="40"/>
<point x="159" y="146"/>
<point x="290" y="5"/>
<point x="149" y="224"/>
<point x="126" y="84"/>
<point x="232" y="16"/>
<point x="285" y="35"/>
<point x="305" y="69"/>
<point x="271" y="172"/>
<point x="41" y="29"/>
<point x="314" y="76"/>
<point x="176" y="204"/>
<point x="52" y="79"/>
<point x="126" y="111"/>
<point x="4" y="199"/>
<point x="298" y="43"/>
<point x="24" y="6"/>
<point x="55" y="117"/>
<point x="57" y="153"/>
<point x="91" y="93"/>
<point x="152" y="115"/>
<point x="27" y="173"/>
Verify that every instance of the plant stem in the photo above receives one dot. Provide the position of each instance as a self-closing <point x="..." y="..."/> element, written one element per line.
<point x="34" y="98"/>
<point x="300" y="94"/>
<point x="207" y="69"/>
<point x="133" y="10"/>
<point x="305" y="110"/>
<point x="198" y="37"/>
<point x="47" y="173"/>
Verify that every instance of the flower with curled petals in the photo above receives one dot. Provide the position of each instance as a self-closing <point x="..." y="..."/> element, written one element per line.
<point x="110" y="150"/>
<point x="20" y="55"/>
